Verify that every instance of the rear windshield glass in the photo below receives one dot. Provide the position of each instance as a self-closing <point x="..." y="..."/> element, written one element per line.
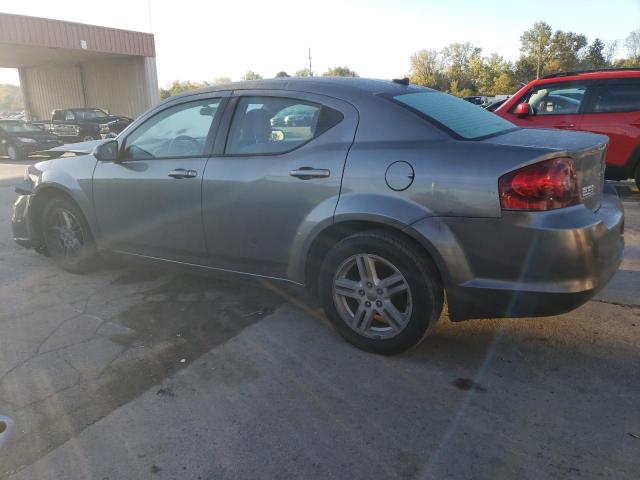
<point x="461" y="118"/>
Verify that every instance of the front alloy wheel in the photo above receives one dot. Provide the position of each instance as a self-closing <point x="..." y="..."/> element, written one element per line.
<point x="67" y="236"/>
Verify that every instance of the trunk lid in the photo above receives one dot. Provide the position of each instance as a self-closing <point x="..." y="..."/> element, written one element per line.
<point x="587" y="150"/>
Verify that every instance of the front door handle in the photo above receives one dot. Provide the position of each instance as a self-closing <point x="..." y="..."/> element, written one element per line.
<point x="565" y="125"/>
<point x="182" y="173"/>
<point x="307" y="173"/>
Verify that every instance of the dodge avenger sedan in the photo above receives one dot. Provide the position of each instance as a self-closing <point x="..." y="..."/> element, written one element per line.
<point x="391" y="196"/>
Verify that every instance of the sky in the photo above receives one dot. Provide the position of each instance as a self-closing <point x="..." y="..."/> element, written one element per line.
<point x="203" y="40"/>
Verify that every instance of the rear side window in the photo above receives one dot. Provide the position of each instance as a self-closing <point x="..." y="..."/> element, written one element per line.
<point x="618" y="96"/>
<point x="271" y="125"/>
<point x="555" y="99"/>
<point x="460" y="118"/>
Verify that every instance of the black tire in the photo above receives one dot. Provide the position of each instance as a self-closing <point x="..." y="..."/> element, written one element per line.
<point x="80" y="257"/>
<point x="420" y="273"/>
<point x="638" y="176"/>
<point x="13" y="153"/>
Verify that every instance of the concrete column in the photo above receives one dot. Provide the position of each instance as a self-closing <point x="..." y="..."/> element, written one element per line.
<point x="26" y="98"/>
<point x="151" y="81"/>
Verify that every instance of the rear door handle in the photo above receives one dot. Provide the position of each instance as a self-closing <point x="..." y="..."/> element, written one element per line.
<point x="565" y="125"/>
<point x="182" y="173"/>
<point x="307" y="173"/>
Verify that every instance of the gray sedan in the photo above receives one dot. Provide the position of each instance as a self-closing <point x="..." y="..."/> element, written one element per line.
<point x="390" y="196"/>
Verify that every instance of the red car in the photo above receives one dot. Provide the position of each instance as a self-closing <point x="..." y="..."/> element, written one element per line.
<point x="603" y="101"/>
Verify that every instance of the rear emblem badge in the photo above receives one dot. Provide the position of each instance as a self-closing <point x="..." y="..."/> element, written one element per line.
<point x="588" y="191"/>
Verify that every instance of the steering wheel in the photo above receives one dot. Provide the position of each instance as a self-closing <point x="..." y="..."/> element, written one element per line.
<point x="183" y="139"/>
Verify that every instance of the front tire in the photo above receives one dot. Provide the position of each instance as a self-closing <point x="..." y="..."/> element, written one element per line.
<point x="67" y="236"/>
<point x="380" y="292"/>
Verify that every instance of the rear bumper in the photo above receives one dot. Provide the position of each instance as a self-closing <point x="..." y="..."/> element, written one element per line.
<point x="529" y="264"/>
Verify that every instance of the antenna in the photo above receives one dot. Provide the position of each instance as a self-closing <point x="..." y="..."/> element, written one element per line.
<point x="310" y="69"/>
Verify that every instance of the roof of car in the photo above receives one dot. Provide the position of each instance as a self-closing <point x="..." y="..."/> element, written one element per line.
<point x="591" y="75"/>
<point x="327" y="85"/>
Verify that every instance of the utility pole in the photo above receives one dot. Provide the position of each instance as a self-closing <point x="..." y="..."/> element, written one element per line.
<point x="310" y="70"/>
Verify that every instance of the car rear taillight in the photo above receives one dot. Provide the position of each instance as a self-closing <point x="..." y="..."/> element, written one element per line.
<point x="541" y="186"/>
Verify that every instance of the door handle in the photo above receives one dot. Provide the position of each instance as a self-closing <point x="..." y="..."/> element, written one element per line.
<point x="565" y="125"/>
<point x="307" y="173"/>
<point x="182" y="173"/>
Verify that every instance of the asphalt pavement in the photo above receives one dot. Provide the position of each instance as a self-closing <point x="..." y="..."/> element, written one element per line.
<point x="135" y="372"/>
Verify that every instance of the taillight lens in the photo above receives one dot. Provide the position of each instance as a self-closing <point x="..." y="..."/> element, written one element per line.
<point x="541" y="186"/>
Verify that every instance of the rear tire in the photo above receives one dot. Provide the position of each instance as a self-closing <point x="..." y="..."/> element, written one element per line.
<point x="13" y="153"/>
<point x="380" y="292"/>
<point x="67" y="236"/>
<point x="638" y="176"/>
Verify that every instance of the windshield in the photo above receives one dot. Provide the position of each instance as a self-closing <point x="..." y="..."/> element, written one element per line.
<point x="459" y="117"/>
<point x="18" y="127"/>
<point x="89" y="114"/>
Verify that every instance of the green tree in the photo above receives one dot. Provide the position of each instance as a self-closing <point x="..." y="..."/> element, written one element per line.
<point x="426" y="69"/>
<point x="632" y="43"/>
<point x="565" y="51"/>
<point x="251" y="75"/>
<point x="282" y="74"/>
<point x="535" y="45"/>
<point x="305" y="72"/>
<point x="595" y="57"/>
<point x="178" y="86"/>
<point x="221" y="81"/>
<point x="339" y="72"/>
<point x="456" y="58"/>
<point x="10" y="98"/>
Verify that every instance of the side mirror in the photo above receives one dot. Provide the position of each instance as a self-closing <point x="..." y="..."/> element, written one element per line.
<point x="107" y="151"/>
<point x="522" y="109"/>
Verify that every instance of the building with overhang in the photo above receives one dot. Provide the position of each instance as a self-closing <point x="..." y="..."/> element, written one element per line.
<point x="66" y="64"/>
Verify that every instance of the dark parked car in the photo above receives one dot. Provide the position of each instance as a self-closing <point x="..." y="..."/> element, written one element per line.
<point x="19" y="139"/>
<point x="84" y="124"/>
<point x="477" y="100"/>
<point x="492" y="107"/>
<point x="393" y="195"/>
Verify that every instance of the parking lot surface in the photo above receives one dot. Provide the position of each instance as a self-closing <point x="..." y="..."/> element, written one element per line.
<point x="136" y="372"/>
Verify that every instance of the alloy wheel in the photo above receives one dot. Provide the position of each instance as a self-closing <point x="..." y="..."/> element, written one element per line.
<point x="66" y="234"/>
<point x="372" y="296"/>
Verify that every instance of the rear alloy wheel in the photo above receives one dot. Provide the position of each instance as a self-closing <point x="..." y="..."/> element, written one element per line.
<point x="67" y="236"/>
<point x="380" y="292"/>
<point x="13" y="153"/>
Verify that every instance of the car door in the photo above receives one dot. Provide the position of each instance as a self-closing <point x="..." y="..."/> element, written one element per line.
<point x="149" y="201"/>
<point x="614" y="110"/>
<point x="552" y="105"/>
<point x="278" y="173"/>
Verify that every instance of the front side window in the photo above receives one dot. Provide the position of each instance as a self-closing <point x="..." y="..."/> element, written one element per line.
<point x="270" y="125"/>
<point x="556" y="99"/>
<point x="459" y="117"/>
<point x="179" y="131"/>
<point x="617" y="96"/>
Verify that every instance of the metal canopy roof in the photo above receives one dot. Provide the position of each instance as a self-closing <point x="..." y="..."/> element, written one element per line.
<point x="30" y="41"/>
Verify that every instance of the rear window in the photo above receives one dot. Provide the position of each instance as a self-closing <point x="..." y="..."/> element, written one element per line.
<point x="460" y="118"/>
